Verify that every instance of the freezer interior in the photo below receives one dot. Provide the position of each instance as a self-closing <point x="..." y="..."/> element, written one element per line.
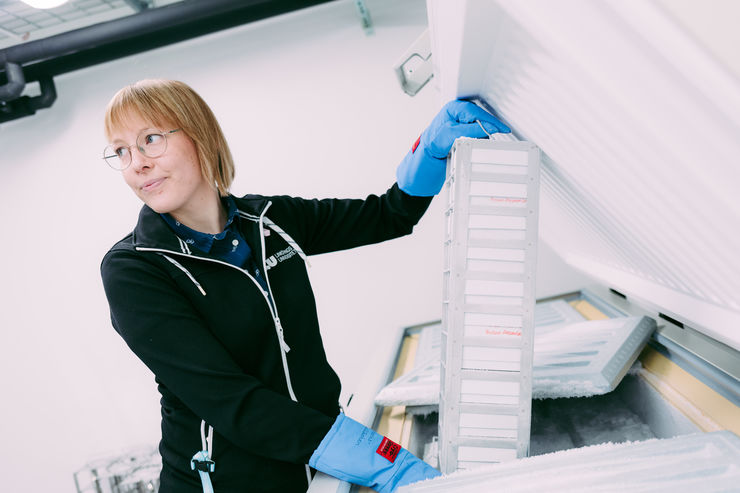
<point x="670" y="390"/>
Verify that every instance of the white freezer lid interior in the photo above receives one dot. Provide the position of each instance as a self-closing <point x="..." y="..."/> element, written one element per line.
<point x="636" y="108"/>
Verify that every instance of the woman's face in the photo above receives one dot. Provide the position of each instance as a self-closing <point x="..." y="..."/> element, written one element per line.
<point x="171" y="183"/>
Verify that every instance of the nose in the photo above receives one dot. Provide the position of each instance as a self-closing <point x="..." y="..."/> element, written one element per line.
<point x="139" y="160"/>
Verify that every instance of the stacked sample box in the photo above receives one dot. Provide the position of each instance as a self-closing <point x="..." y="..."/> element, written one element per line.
<point x="489" y="282"/>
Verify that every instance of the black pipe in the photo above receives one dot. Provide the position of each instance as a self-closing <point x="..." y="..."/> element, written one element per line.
<point x="149" y="29"/>
<point x="48" y="94"/>
<point x="213" y="14"/>
<point x="122" y="28"/>
<point x="27" y="106"/>
<point x="15" y="82"/>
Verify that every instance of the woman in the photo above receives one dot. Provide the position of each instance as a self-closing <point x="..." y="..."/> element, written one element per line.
<point x="211" y="293"/>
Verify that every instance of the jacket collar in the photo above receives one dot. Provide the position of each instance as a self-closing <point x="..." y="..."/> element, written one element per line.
<point x="152" y="231"/>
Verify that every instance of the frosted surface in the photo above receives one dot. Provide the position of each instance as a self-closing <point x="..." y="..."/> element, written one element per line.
<point x="702" y="462"/>
<point x="586" y="358"/>
<point x="572" y="357"/>
<point x="560" y="424"/>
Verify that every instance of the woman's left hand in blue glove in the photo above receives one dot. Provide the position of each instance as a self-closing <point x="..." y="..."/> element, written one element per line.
<point x="422" y="171"/>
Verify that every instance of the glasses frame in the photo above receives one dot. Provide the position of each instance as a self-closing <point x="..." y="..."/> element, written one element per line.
<point x="164" y="134"/>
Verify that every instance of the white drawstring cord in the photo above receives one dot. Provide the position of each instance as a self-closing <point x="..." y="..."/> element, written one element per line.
<point x="278" y="326"/>
<point x="206" y="441"/>
<point x="187" y="272"/>
<point x="201" y="461"/>
<point x="290" y="241"/>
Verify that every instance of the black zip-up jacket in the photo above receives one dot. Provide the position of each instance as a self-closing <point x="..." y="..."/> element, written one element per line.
<point x="207" y="331"/>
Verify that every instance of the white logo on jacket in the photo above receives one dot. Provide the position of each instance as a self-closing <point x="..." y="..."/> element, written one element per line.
<point x="280" y="256"/>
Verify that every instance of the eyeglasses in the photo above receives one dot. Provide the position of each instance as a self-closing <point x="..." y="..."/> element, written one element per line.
<point x="150" y="142"/>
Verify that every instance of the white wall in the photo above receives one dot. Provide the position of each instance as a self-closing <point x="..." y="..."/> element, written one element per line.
<point x="311" y="107"/>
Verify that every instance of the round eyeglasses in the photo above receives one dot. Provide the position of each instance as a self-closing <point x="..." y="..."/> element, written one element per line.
<point x="150" y="142"/>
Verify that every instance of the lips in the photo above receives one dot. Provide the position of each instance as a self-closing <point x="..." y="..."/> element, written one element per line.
<point x="152" y="185"/>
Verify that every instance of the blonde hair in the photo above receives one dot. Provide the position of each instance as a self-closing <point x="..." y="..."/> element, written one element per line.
<point x="173" y="102"/>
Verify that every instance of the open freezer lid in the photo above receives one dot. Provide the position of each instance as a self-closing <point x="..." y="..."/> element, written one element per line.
<point x="636" y="109"/>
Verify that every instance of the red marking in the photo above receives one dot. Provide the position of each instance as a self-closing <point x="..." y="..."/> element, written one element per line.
<point x="416" y="144"/>
<point x="509" y="200"/>
<point x="504" y="332"/>
<point x="388" y="449"/>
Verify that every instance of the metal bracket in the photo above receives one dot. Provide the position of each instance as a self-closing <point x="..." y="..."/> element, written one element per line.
<point x="414" y="68"/>
<point x="367" y="22"/>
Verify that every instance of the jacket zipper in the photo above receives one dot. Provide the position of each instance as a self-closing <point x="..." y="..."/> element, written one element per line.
<point x="284" y="348"/>
<point x="271" y="305"/>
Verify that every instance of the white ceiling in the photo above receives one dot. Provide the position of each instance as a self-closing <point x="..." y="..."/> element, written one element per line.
<point x="20" y="23"/>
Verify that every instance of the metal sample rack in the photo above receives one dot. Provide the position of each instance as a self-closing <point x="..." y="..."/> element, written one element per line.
<point x="488" y="315"/>
<point x="132" y="471"/>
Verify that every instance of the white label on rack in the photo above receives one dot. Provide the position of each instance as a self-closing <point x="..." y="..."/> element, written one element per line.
<point x="509" y="254"/>
<point x="484" y="353"/>
<point x="494" y="266"/>
<point x="495" y="421"/>
<point x="496" y="189"/>
<point x="499" y="156"/>
<point x="485" y="454"/>
<point x="497" y="234"/>
<point x="504" y="433"/>
<point x="494" y="288"/>
<point x="498" y="201"/>
<point x="498" y="169"/>
<point x="492" y="319"/>
<point x="488" y="358"/>
<point x="489" y="392"/>
<point x="493" y="300"/>
<point x="487" y="221"/>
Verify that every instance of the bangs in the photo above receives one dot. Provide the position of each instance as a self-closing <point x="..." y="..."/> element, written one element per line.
<point x="143" y="99"/>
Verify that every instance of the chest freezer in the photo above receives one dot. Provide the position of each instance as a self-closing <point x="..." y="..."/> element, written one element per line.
<point x="635" y="108"/>
<point x="674" y="390"/>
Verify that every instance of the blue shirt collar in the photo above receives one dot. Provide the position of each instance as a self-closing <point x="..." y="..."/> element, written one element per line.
<point x="203" y="241"/>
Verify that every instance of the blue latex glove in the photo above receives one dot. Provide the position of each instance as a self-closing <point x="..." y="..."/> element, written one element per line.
<point x="355" y="453"/>
<point x="422" y="171"/>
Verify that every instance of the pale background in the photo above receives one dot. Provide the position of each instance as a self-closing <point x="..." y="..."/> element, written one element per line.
<point x="311" y="107"/>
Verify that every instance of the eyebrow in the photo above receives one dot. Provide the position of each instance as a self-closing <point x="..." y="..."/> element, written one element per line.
<point x="115" y="141"/>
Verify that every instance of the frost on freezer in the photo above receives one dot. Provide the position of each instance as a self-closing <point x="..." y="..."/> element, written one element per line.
<point x="706" y="462"/>
<point x="587" y="358"/>
<point x="560" y="424"/>
<point x="572" y="357"/>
